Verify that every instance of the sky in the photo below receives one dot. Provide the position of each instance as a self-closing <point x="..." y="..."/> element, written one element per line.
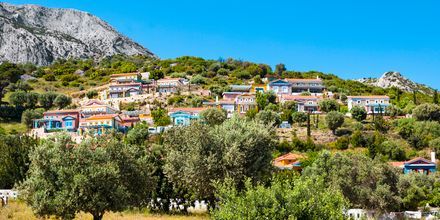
<point x="352" y="39"/>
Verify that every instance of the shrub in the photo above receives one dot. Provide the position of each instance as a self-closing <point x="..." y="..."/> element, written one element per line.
<point x="299" y="117"/>
<point x="329" y="105"/>
<point x="342" y="143"/>
<point x="49" y="77"/>
<point x="357" y="139"/>
<point x="358" y="113"/>
<point x="427" y="112"/>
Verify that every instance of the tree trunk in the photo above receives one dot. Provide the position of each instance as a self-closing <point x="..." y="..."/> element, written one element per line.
<point x="97" y="216"/>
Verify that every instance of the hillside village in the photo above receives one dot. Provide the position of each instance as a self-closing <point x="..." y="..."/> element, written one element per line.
<point x="307" y="112"/>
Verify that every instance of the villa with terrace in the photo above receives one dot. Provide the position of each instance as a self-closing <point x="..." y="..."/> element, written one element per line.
<point x="372" y="104"/>
<point x="303" y="103"/>
<point x="184" y="116"/>
<point x="296" y="86"/>
<point x="58" y="120"/>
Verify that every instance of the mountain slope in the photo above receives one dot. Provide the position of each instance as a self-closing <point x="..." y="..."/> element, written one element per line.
<point x="395" y="79"/>
<point x="40" y="35"/>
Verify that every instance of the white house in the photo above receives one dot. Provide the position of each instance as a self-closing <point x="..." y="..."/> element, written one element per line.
<point x="372" y="104"/>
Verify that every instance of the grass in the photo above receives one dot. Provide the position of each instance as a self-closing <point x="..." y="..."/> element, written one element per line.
<point x="18" y="210"/>
<point x="9" y="127"/>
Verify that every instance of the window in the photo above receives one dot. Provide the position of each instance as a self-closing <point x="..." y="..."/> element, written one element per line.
<point x="359" y="101"/>
<point x="376" y="101"/>
<point x="381" y="101"/>
<point x="69" y="124"/>
<point x="368" y="102"/>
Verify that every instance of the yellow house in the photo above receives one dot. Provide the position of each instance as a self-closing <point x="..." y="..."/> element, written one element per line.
<point x="95" y="107"/>
<point x="258" y="88"/>
<point x="100" y="124"/>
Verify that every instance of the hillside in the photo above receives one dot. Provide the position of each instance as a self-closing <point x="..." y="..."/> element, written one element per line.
<point x="40" y="35"/>
<point x="396" y="79"/>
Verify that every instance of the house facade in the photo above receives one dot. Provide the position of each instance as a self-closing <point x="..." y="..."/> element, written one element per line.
<point x="419" y="165"/>
<point x="280" y="87"/>
<point x="171" y="85"/>
<point x="126" y="77"/>
<point x="245" y="102"/>
<point x="307" y="85"/>
<point x="120" y="90"/>
<point x="372" y="104"/>
<point x="58" y="120"/>
<point x="184" y="116"/>
<point x="227" y="105"/>
<point x="100" y="124"/>
<point x="303" y="103"/>
<point x="95" y="107"/>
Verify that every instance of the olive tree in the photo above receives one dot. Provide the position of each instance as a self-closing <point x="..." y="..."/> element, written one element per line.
<point x="329" y="105"/>
<point x="334" y="120"/>
<point x="97" y="176"/>
<point x="213" y="116"/>
<point x="198" y="155"/>
<point x="427" y="112"/>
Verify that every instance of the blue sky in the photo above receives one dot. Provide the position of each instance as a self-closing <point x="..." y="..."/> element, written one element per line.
<point x="351" y="39"/>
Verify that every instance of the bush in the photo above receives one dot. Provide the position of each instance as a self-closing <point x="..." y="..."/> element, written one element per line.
<point x="299" y="117"/>
<point x="427" y="112"/>
<point x="268" y="117"/>
<point x="329" y="105"/>
<point x="198" y="80"/>
<point x="213" y="116"/>
<point x="358" y="113"/>
<point x="49" y="77"/>
<point x="92" y="94"/>
<point x="357" y="139"/>
<point x="435" y="146"/>
<point x="342" y="143"/>
<point x="29" y="115"/>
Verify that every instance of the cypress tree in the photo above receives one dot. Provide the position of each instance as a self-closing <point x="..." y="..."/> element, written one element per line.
<point x="435" y="99"/>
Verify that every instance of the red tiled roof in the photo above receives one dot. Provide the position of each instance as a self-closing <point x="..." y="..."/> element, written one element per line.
<point x="123" y="74"/>
<point x="187" y="109"/>
<point x="289" y="156"/>
<point x="295" y="97"/>
<point x="303" y="80"/>
<point x="397" y="163"/>
<point x="98" y="117"/>
<point x="370" y="97"/>
<point x="62" y="111"/>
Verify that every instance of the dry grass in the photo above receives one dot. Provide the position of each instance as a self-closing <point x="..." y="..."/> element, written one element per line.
<point x="19" y="211"/>
<point x="13" y="126"/>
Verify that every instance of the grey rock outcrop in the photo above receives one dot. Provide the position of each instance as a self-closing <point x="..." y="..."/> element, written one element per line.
<point x="40" y="35"/>
<point x="395" y="79"/>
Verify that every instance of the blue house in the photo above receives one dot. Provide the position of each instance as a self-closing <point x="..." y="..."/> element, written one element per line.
<point x="184" y="116"/>
<point x="420" y="165"/>
<point x="280" y="86"/>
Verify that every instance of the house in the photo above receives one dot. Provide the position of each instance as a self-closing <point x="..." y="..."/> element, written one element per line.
<point x="280" y="86"/>
<point x="128" y="121"/>
<point x="125" y="77"/>
<point x="289" y="161"/>
<point x="313" y="86"/>
<point x="100" y="124"/>
<point x="96" y="107"/>
<point x="184" y="116"/>
<point x="231" y="95"/>
<point x="245" y="102"/>
<point x="120" y="90"/>
<point x="419" y="164"/>
<point x="170" y="85"/>
<point x="258" y="88"/>
<point x="372" y="104"/>
<point x="56" y="120"/>
<point x="228" y="105"/>
<point x="146" y="118"/>
<point x="303" y="103"/>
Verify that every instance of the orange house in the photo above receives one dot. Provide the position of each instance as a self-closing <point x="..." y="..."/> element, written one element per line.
<point x="289" y="161"/>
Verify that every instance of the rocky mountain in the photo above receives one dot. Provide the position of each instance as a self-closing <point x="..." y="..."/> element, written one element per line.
<point x="39" y="35"/>
<point x="395" y="79"/>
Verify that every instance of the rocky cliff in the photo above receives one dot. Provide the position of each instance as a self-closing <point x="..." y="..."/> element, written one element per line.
<point x="395" y="79"/>
<point x="39" y="35"/>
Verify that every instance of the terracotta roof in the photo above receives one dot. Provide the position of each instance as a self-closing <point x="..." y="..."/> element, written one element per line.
<point x="123" y="74"/>
<point x="303" y="80"/>
<point x="419" y="158"/>
<point x="62" y="111"/>
<point x="187" y="109"/>
<point x="93" y="101"/>
<point x="99" y="117"/>
<point x="125" y="84"/>
<point x="289" y="156"/>
<point x="169" y="79"/>
<point x="397" y="163"/>
<point x="294" y="97"/>
<point x="370" y="97"/>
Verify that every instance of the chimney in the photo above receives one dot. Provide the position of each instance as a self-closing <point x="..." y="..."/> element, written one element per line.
<point x="433" y="157"/>
<point x="216" y="99"/>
